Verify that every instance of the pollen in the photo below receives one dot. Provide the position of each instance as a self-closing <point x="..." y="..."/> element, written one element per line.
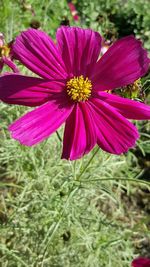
<point x="133" y="90"/>
<point x="79" y="88"/>
<point x="4" y="51"/>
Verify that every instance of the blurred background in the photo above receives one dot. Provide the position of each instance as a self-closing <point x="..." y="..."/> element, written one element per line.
<point x="47" y="217"/>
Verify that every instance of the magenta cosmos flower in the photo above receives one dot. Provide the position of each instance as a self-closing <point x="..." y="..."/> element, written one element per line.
<point x="72" y="90"/>
<point x="6" y="57"/>
<point x="141" y="262"/>
<point x="73" y="11"/>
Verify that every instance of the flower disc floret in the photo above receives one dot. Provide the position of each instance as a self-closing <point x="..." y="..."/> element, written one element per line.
<point x="4" y="51"/>
<point x="79" y="88"/>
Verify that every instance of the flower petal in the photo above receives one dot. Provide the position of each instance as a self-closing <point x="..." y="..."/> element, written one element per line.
<point x="27" y="91"/>
<point x="123" y="63"/>
<point x="115" y="134"/>
<point x="10" y="64"/>
<point x="141" y="262"/>
<point x="40" y="123"/>
<point x="1" y="64"/>
<point x="36" y="50"/>
<point x="80" y="134"/>
<point x="128" y="108"/>
<point x="79" y="48"/>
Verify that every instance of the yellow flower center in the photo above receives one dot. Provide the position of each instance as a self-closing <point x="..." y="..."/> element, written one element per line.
<point x="4" y="51"/>
<point x="79" y="88"/>
<point x="135" y="86"/>
<point x="133" y="90"/>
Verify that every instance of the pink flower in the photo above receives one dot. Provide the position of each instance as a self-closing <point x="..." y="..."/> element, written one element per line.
<point x="72" y="88"/>
<point x="1" y="39"/>
<point x="141" y="262"/>
<point x="73" y="11"/>
<point x="6" y="56"/>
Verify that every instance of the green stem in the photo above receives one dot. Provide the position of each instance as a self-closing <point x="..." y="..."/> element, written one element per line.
<point x="118" y="179"/>
<point x="88" y="163"/>
<point x="59" y="137"/>
<point x="10" y="185"/>
<point x="49" y="237"/>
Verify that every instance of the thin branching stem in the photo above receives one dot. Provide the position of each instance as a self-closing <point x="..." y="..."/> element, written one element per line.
<point x="88" y="163"/>
<point x="59" y="137"/>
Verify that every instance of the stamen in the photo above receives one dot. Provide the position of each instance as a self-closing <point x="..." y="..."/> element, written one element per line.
<point x="133" y="90"/>
<point x="4" y="51"/>
<point x="79" y="88"/>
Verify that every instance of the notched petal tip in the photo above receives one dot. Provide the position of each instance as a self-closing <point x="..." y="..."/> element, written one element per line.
<point x="79" y="49"/>
<point x="115" y="134"/>
<point x="123" y="63"/>
<point x="79" y="134"/>
<point x="39" y="124"/>
<point x="37" y="51"/>
<point x="130" y="109"/>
